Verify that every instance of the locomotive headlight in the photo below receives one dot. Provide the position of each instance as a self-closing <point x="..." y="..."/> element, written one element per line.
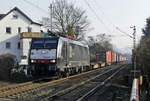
<point x="33" y="61"/>
<point x="53" y="61"/>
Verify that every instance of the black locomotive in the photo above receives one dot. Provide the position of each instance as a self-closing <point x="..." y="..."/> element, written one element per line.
<point x="58" y="55"/>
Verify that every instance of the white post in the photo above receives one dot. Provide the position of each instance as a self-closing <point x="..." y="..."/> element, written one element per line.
<point x="135" y="91"/>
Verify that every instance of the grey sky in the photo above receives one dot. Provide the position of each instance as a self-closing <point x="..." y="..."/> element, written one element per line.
<point x="111" y="13"/>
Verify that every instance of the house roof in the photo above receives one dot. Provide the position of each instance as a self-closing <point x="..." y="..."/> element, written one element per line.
<point x="17" y="9"/>
<point x="2" y="15"/>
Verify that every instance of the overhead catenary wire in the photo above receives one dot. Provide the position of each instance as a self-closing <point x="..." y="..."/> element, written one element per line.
<point x="36" y="6"/>
<point x="106" y="17"/>
<point x="124" y="32"/>
<point x="104" y="23"/>
<point x="102" y="12"/>
<point x="96" y="15"/>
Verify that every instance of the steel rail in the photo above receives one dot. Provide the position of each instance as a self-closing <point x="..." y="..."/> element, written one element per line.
<point x="75" y="86"/>
<point x="18" y="85"/>
<point x="15" y="86"/>
<point x="18" y="91"/>
<point x="92" y="91"/>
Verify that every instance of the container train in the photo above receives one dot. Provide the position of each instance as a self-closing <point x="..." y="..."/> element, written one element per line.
<point x="109" y="57"/>
<point x="63" y="56"/>
<point x="58" y="55"/>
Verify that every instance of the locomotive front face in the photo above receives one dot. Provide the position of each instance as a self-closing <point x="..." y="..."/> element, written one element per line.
<point x="43" y="50"/>
<point x="43" y="56"/>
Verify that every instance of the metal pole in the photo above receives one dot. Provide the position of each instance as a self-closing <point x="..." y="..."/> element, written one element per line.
<point x="134" y="49"/>
<point x="51" y="13"/>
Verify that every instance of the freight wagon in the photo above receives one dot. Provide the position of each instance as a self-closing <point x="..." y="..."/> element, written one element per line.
<point x="101" y="58"/>
<point x="113" y="59"/>
<point x="109" y="57"/>
<point x="104" y="57"/>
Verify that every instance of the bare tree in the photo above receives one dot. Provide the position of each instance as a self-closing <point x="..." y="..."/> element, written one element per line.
<point x="67" y="18"/>
<point x="100" y="40"/>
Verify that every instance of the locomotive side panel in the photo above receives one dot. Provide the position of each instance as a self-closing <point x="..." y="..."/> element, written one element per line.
<point x="71" y="54"/>
<point x="61" y="55"/>
<point x="78" y="55"/>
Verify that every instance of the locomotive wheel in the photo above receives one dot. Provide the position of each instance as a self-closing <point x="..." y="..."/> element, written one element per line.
<point x="67" y="74"/>
<point x="80" y="70"/>
<point x="59" y="74"/>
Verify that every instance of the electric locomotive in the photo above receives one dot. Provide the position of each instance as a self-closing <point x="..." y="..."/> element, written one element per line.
<point x="57" y="55"/>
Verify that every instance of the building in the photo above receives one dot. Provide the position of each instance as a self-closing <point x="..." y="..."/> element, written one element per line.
<point x="12" y="25"/>
<point x="25" y="40"/>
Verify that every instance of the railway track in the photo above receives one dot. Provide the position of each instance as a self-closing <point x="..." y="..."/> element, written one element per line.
<point x="85" y="89"/>
<point x="92" y="91"/>
<point x="19" y="90"/>
<point x="22" y="87"/>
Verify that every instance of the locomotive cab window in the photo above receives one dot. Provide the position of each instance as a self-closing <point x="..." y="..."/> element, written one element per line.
<point x="52" y="44"/>
<point x="39" y="43"/>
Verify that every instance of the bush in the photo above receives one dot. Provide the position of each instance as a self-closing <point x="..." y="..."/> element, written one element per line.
<point x="143" y="57"/>
<point x="7" y="62"/>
